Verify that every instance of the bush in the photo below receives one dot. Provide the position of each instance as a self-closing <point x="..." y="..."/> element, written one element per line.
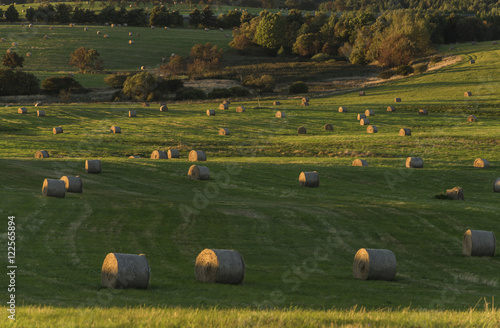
<point x="219" y="93"/>
<point x="14" y="83"/>
<point x="239" y="92"/>
<point x="298" y="87"/>
<point x="56" y="84"/>
<point x="116" y="80"/>
<point x="420" y="68"/>
<point x="173" y="85"/>
<point x="264" y="83"/>
<point x="12" y="60"/>
<point x="404" y="70"/>
<point x="321" y="57"/>
<point x="386" y="74"/>
<point x="87" y="61"/>
<point x="190" y="94"/>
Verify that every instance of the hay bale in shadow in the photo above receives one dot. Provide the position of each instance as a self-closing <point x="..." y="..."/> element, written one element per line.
<point x="42" y="154"/>
<point x="276" y="103"/>
<point x="364" y="121"/>
<point x="57" y="130"/>
<point x="163" y="108"/>
<point x="22" y="110"/>
<point x="223" y="106"/>
<point x="197" y="172"/>
<point x="280" y="114"/>
<point x="240" y="109"/>
<point x="40" y="113"/>
<point x="309" y="179"/>
<point x="423" y="112"/>
<point x="125" y="271"/>
<point x="359" y="162"/>
<point x="53" y="188"/>
<point x="415" y="162"/>
<point x="173" y="153"/>
<point x="496" y="185"/>
<point x="405" y="132"/>
<point x="471" y="118"/>
<point x="456" y="193"/>
<point x="224" y="132"/>
<point x="72" y="184"/>
<point x="374" y="264"/>
<point x="221" y="266"/>
<point x="158" y="154"/>
<point x="397" y="99"/>
<point x="481" y="163"/>
<point x="371" y="129"/>
<point x="328" y="127"/>
<point x="132" y="113"/>
<point x="479" y="243"/>
<point x="305" y="100"/>
<point x="391" y="109"/>
<point x="361" y="93"/>
<point x="210" y="112"/>
<point x="361" y="116"/>
<point x="369" y="112"/>
<point x="301" y="130"/>
<point x="304" y="104"/>
<point x="467" y="94"/>
<point x="116" y="129"/>
<point x="342" y="109"/>
<point x="93" y="166"/>
<point x="197" y="155"/>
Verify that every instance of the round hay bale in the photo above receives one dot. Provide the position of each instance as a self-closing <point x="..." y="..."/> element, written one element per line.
<point x="473" y="43"/>
<point x="197" y="172"/>
<point x="397" y="99"/>
<point x="361" y="93"/>
<point x="496" y="185"/>
<point x="360" y="116"/>
<point x="224" y="132"/>
<point x="153" y="27"/>
<point x="132" y="113"/>
<point x="280" y="114"/>
<point x="51" y="28"/>
<point x="38" y="104"/>
<point x="93" y="166"/>
<point x="423" y="112"/>
<point x="173" y="153"/>
<point x="113" y="25"/>
<point x="305" y="100"/>
<point x="53" y="188"/>
<point x="223" y="106"/>
<point x="130" y="41"/>
<point x="98" y="32"/>
<point x="479" y="243"/>
<point x="309" y="179"/>
<point x="30" y="26"/>
<point x="145" y="104"/>
<point x="471" y="118"/>
<point x="467" y="94"/>
<point x="197" y="155"/>
<point x="116" y="129"/>
<point x="138" y="34"/>
<point x="163" y="108"/>
<point x="391" y="109"/>
<point x="240" y="109"/>
<point x="134" y="156"/>
<point x="405" y="132"/>
<point x="159" y="154"/>
<point x="9" y="51"/>
<point x="125" y="271"/>
<point x="276" y="103"/>
<point x="371" y="129"/>
<point x="227" y="102"/>
<point x="359" y="162"/>
<point x="328" y="127"/>
<point x="106" y="36"/>
<point x="129" y="33"/>
<point x="369" y="112"/>
<point x="415" y="162"/>
<point x="72" y="184"/>
<point x="210" y="112"/>
<point x="374" y="264"/>
<point x="304" y="104"/>
<point x="472" y="61"/>
<point x="481" y="163"/>
<point x="45" y="37"/>
<point x="342" y="109"/>
<point x="494" y="43"/>
<point x="42" y="154"/>
<point x="85" y="29"/>
<point x="22" y="110"/>
<point x="364" y="121"/>
<point x="206" y="29"/>
<point x="28" y="54"/>
<point x="301" y="130"/>
<point x="57" y="130"/>
<point x="107" y="24"/>
<point x="14" y="44"/>
<point x="220" y="265"/>
<point x="456" y="193"/>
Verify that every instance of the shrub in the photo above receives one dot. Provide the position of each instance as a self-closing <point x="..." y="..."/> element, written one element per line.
<point x="386" y="74"/>
<point x="239" y="91"/>
<point x="190" y="94"/>
<point x="173" y="85"/>
<point x="139" y="86"/>
<point x="404" y="70"/>
<point x="219" y="93"/>
<point x="56" y="84"/>
<point x="420" y="68"/>
<point x="11" y="14"/>
<point x="321" y="57"/>
<point x="298" y="87"/>
<point x="18" y="83"/>
<point x="116" y="80"/>
<point x="12" y="60"/>
<point x="87" y="61"/>
<point x="264" y="83"/>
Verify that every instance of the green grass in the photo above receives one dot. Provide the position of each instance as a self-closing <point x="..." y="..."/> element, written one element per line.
<point x="298" y="243"/>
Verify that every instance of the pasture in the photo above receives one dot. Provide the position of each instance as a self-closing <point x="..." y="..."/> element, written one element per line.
<point x="298" y="243"/>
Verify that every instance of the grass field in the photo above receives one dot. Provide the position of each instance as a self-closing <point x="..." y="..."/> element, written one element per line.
<point x="298" y="243"/>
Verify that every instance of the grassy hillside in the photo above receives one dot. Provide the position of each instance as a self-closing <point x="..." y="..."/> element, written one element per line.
<point x="298" y="243"/>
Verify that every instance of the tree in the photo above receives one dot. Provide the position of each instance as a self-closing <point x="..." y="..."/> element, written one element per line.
<point x="207" y="17"/>
<point x="12" y="60"/>
<point x="87" y="61"/>
<point x="397" y="50"/>
<point x="18" y="83"/>
<point x="270" y="31"/>
<point x="63" y="13"/>
<point x="11" y="14"/>
<point x="195" y="17"/>
<point x="140" y="86"/>
<point x="56" y="84"/>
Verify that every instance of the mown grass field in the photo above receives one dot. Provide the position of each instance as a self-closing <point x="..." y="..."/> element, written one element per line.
<point x="298" y="243"/>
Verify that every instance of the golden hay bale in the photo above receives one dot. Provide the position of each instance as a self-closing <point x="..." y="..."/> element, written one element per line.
<point x="129" y="33"/>
<point x="57" y="130"/>
<point x="85" y="29"/>
<point x="42" y="154"/>
<point x="423" y="112"/>
<point x="371" y="129"/>
<point x="342" y="109"/>
<point x="28" y="54"/>
<point x="369" y="112"/>
<point x="163" y="108"/>
<point x="224" y="132"/>
<point x="472" y="61"/>
<point x="134" y="156"/>
<point x="197" y="155"/>
<point x="130" y="41"/>
<point x="197" y="172"/>
<point x="280" y="114"/>
<point x="14" y="44"/>
<point x="364" y="121"/>
<point x="113" y="25"/>
<point x="397" y="99"/>
<point x="223" y="106"/>
<point x="374" y="264"/>
<point x="220" y="265"/>
<point x="360" y="116"/>
<point x="481" y="163"/>
<point x="53" y="188"/>
<point x="38" y="104"/>
<point x="456" y="193"/>
<point x="40" y="113"/>
<point x="240" y="109"/>
<point x="45" y="37"/>
<point x="415" y="162"/>
<point x="116" y="129"/>
<point x="496" y="185"/>
<point x="93" y="166"/>
<point x="22" y="110"/>
<point x="227" y="102"/>
<point x="106" y="36"/>
<point x="276" y="103"/>
<point x="471" y="118"/>
<point x="173" y="153"/>
<point x="145" y="105"/>
<point x="304" y="104"/>
<point x="309" y="179"/>
<point x="158" y="154"/>
<point x="405" y="132"/>
<point x="391" y="109"/>
<point x="467" y="94"/>
<point x="98" y="32"/>
<point x="359" y="162"/>
<point x="72" y="184"/>
<point x="328" y="127"/>
<point x="125" y="271"/>
<point x="305" y="100"/>
<point x="301" y="130"/>
<point x="132" y="113"/>
<point x="210" y="112"/>
<point x="479" y="243"/>
<point x="361" y="93"/>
